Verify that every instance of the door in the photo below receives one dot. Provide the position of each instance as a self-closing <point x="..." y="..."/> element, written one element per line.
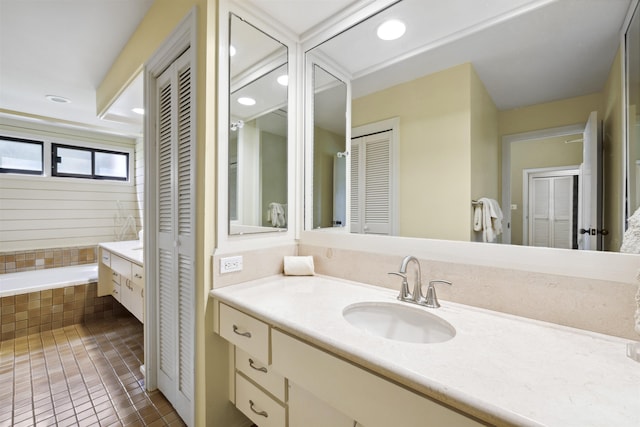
<point x="590" y="197"/>
<point x="551" y="211"/>
<point x="371" y="184"/>
<point x="175" y="236"/>
<point x="339" y="190"/>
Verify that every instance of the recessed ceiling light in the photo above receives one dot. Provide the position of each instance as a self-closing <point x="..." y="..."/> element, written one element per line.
<point x="138" y="110"/>
<point x="391" y="30"/>
<point x="232" y="50"/>
<point x="247" y="101"/>
<point x="58" y="99"/>
<point x="283" y="80"/>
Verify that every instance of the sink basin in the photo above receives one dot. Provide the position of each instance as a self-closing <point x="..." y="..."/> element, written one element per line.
<point x="399" y="322"/>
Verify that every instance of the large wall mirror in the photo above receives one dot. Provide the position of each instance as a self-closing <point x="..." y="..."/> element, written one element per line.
<point x="258" y="127"/>
<point x="462" y="80"/>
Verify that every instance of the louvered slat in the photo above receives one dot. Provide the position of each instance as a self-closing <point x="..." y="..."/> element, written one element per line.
<point x="166" y="310"/>
<point x="184" y="152"/>
<point x="186" y="328"/>
<point x="164" y="161"/>
<point x="355" y="185"/>
<point x="377" y="182"/>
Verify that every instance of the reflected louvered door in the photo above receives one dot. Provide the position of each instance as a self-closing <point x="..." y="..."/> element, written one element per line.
<point x="371" y="184"/>
<point x="176" y="244"/>
<point x="356" y="222"/>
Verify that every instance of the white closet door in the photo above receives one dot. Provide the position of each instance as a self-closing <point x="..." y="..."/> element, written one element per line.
<point x="551" y="205"/>
<point x="371" y="185"/>
<point x="176" y="245"/>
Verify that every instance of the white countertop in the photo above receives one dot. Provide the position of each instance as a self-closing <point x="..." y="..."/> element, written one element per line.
<point x="503" y="369"/>
<point x="129" y="249"/>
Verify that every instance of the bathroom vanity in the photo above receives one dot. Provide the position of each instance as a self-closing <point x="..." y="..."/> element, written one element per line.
<point x="121" y="274"/>
<point x="297" y="359"/>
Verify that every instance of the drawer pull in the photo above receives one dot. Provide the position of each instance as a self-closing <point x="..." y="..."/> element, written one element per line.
<point x="137" y="276"/>
<point x="261" y="413"/>
<point x="244" y="334"/>
<point x="261" y="369"/>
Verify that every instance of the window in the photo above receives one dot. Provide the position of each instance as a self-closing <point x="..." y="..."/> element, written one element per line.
<point x="21" y="156"/>
<point x="81" y="162"/>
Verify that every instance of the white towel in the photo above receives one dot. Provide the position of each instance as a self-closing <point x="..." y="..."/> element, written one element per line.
<point x="491" y="219"/>
<point x="298" y="266"/>
<point x="277" y="214"/>
<point x="631" y="237"/>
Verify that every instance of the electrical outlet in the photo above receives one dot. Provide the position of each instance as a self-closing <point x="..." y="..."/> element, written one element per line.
<point x="231" y="264"/>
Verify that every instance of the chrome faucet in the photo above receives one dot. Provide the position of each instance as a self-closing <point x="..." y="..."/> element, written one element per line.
<point x="405" y="295"/>
<point x="417" y="297"/>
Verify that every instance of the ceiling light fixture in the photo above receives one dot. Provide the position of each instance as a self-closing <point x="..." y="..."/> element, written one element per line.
<point x="247" y="101"/>
<point x="391" y="30"/>
<point x="58" y="99"/>
<point x="138" y="110"/>
<point x="232" y="50"/>
<point x="283" y="80"/>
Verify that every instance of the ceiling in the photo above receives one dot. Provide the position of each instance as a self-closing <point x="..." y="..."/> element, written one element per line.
<point x="66" y="47"/>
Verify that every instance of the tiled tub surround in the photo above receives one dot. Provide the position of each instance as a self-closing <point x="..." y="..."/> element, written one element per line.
<point x="13" y="262"/>
<point x="594" y="305"/>
<point x="34" y="312"/>
<point x="503" y="369"/>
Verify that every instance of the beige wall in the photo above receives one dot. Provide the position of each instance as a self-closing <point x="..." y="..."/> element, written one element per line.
<point x="484" y="146"/>
<point x="325" y="146"/>
<point x="564" y="112"/>
<point x="540" y="153"/>
<point x="434" y="173"/>
<point x="613" y="158"/>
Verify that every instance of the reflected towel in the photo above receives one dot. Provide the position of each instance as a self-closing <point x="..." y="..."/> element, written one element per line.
<point x="277" y="214"/>
<point x="631" y="237"/>
<point x="491" y="219"/>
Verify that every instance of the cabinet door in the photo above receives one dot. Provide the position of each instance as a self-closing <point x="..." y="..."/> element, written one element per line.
<point x="306" y="410"/>
<point x="132" y="298"/>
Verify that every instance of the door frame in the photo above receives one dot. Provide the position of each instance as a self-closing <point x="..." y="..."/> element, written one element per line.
<point x="528" y="174"/>
<point x="507" y="140"/>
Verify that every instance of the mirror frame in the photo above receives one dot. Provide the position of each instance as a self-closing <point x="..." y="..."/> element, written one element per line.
<point x="627" y="209"/>
<point x="606" y="266"/>
<point x="234" y="242"/>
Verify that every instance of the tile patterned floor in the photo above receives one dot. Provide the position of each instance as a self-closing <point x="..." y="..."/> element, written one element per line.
<point x="80" y="375"/>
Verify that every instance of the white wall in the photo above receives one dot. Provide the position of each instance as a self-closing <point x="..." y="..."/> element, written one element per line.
<point x="49" y="212"/>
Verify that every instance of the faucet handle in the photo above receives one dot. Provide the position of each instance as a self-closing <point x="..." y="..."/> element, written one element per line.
<point x="404" y="288"/>
<point x="431" y="300"/>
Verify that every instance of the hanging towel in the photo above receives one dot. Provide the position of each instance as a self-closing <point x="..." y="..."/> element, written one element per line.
<point x="491" y="224"/>
<point x="631" y="237"/>
<point x="277" y="214"/>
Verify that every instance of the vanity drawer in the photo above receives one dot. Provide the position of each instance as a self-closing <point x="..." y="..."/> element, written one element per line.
<point x="257" y="405"/>
<point x="116" y="290"/>
<point x="245" y="332"/>
<point x="137" y="274"/>
<point x="121" y="266"/>
<point x="105" y="258"/>
<point x="116" y="278"/>
<point x="262" y="374"/>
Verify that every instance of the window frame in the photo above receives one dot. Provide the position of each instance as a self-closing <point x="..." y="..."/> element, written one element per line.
<point x="25" y="171"/>
<point x="54" y="163"/>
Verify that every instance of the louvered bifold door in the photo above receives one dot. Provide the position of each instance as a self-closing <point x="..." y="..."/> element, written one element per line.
<point x="176" y="245"/>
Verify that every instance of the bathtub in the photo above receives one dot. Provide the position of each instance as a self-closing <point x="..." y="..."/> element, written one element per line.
<point x="49" y="278"/>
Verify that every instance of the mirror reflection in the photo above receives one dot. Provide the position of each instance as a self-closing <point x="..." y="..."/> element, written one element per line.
<point x="632" y="235"/>
<point x="329" y="149"/>
<point x="257" y="130"/>
<point x="460" y="84"/>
